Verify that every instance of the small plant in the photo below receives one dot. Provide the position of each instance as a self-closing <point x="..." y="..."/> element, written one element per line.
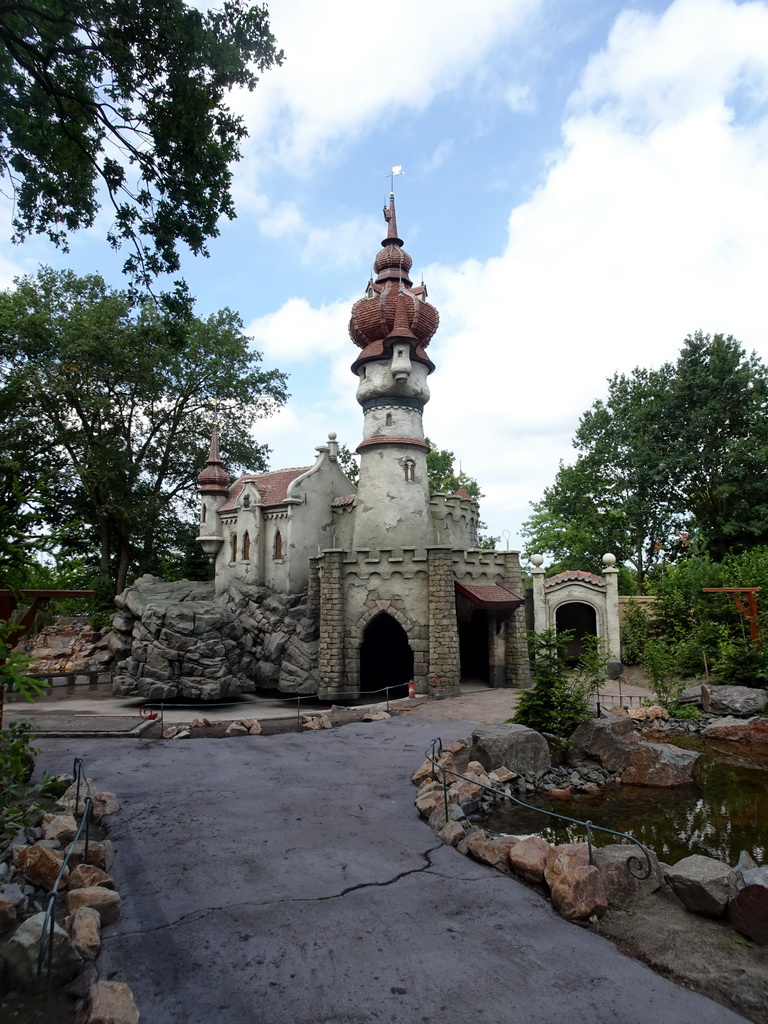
<point x="560" y="698"/>
<point x="18" y="797"/>
<point x="659" y="663"/>
<point x="684" y="712"/>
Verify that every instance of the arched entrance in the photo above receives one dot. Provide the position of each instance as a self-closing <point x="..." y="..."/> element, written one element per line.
<point x="386" y="658"/>
<point x="473" y="646"/>
<point x="581" y="619"/>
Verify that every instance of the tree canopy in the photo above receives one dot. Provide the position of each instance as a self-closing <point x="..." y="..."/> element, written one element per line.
<point x="672" y="460"/>
<point x="108" y="405"/>
<point x="118" y="102"/>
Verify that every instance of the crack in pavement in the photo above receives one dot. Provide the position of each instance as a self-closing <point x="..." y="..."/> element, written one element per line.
<point x="197" y="915"/>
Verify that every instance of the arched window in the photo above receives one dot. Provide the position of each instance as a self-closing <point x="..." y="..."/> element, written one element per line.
<point x="278" y="546"/>
<point x="204" y="512"/>
<point x="246" y="546"/>
<point x="234" y="547"/>
<point x="409" y="468"/>
<point x="389" y="420"/>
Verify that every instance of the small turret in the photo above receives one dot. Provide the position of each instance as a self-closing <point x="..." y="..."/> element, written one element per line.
<point x="213" y="486"/>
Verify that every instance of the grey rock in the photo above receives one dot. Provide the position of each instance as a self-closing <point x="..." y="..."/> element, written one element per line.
<point x="15" y="894"/>
<point x="610" y="742"/>
<point x="517" y="747"/>
<point x="622" y="886"/>
<point x="658" y="764"/>
<point x="740" y="701"/>
<point x="691" y="695"/>
<point x="21" y="951"/>
<point x="704" y="885"/>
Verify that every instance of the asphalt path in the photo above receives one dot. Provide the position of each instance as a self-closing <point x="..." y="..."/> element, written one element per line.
<point x="289" y="880"/>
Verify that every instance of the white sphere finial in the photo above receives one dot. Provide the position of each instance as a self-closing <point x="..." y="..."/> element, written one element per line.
<point x="331" y="435"/>
<point x="609" y="560"/>
<point x="537" y="560"/>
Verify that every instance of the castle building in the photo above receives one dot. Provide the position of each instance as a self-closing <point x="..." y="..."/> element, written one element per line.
<point x="392" y="573"/>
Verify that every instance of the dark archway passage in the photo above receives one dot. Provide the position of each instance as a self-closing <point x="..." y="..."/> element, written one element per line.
<point x="473" y="646"/>
<point x="386" y="658"/>
<point x="582" y="620"/>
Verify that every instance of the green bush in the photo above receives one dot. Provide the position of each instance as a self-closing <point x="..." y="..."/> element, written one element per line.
<point x="561" y="698"/>
<point x="635" y="633"/>
<point x="660" y="664"/>
<point x="18" y="796"/>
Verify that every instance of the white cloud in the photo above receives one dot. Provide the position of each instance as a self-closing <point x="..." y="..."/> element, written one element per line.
<point x="298" y="332"/>
<point x="651" y="223"/>
<point x="349" y="65"/>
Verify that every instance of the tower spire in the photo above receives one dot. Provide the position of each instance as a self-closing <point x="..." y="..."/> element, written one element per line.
<point x="214" y="479"/>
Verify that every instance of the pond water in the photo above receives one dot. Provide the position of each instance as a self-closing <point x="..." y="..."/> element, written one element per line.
<point x="725" y="812"/>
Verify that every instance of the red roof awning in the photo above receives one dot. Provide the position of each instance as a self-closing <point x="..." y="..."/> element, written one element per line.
<point x="490" y="597"/>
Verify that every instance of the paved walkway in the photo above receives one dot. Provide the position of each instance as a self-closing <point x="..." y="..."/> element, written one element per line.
<point x="289" y="880"/>
<point x="92" y="710"/>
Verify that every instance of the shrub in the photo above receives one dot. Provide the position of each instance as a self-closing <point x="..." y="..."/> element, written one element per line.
<point x="634" y="633"/>
<point x="660" y="664"/>
<point x="561" y="698"/>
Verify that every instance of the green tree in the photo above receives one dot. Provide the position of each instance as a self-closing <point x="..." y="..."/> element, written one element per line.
<point x="671" y="461"/>
<point x="720" y="445"/>
<point x="122" y="103"/>
<point x="122" y="391"/>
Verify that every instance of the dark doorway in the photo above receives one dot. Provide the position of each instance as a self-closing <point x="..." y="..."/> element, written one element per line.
<point x="582" y="620"/>
<point x="473" y="646"/>
<point x="386" y="659"/>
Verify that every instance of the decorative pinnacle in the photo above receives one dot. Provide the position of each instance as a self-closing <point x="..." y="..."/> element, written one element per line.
<point x="391" y="218"/>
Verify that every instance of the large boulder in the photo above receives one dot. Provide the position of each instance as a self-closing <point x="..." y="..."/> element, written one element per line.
<point x="528" y="858"/>
<point x="739" y="701"/>
<point x="519" y="748"/>
<point x="21" y="952"/>
<point x="739" y="730"/>
<point x="704" y="885"/>
<point x="575" y="885"/>
<point x="748" y="911"/>
<point x="609" y="741"/>
<point x="622" y="887"/>
<point x="659" y="764"/>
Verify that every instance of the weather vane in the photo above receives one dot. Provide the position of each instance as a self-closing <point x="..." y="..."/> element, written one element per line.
<point x="215" y="403"/>
<point x="394" y="170"/>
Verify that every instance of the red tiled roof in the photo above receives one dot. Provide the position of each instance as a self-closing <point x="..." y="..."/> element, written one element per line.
<point x="460" y="492"/>
<point x="273" y="487"/>
<point x="345" y="499"/>
<point x="489" y="594"/>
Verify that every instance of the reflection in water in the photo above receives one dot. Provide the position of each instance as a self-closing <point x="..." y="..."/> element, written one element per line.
<point x="724" y="813"/>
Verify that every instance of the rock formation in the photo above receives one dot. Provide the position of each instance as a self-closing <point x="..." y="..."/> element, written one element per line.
<point x="178" y="640"/>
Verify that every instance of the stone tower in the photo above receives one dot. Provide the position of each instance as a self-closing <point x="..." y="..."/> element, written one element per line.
<point x="392" y="325"/>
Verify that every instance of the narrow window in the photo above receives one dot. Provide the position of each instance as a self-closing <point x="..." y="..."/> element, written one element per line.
<point x="246" y="546"/>
<point x="278" y="546"/>
<point x="234" y="547"/>
<point x="413" y="472"/>
<point x="205" y="511"/>
<point x="389" y="419"/>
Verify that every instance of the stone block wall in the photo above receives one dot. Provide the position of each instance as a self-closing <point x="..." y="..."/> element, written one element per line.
<point x="443" y="633"/>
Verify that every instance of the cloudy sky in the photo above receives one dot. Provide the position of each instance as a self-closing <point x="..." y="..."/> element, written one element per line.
<point x="586" y="182"/>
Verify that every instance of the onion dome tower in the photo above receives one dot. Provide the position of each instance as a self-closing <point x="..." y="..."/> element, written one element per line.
<point x="213" y="486"/>
<point x="393" y="325"/>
